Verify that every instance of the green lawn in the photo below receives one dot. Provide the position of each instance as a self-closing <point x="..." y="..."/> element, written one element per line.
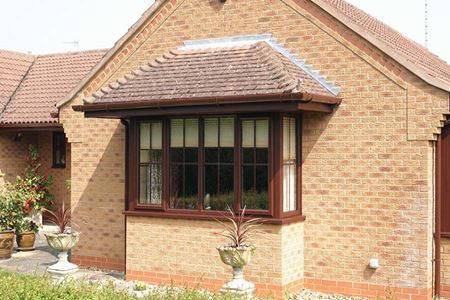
<point x="25" y="287"/>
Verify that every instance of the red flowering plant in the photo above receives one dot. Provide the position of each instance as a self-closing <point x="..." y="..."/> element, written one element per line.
<point x="32" y="188"/>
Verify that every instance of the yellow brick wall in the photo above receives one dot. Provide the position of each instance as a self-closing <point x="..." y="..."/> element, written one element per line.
<point x="61" y="176"/>
<point x="12" y="153"/>
<point x="367" y="178"/>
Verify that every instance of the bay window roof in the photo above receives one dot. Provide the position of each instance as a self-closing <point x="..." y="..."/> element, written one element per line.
<point x="239" y="73"/>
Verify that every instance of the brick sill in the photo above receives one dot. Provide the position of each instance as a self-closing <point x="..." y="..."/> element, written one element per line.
<point x="205" y="217"/>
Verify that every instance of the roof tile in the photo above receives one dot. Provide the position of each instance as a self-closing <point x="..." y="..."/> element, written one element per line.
<point x="48" y="80"/>
<point x="249" y="70"/>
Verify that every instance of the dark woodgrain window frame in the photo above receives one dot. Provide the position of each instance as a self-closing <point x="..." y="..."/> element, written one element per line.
<point x="59" y="144"/>
<point x="274" y="214"/>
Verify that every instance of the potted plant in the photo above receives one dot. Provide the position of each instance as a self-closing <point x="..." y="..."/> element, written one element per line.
<point x="26" y="230"/>
<point x="10" y="215"/>
<point x="62" y="241"/>
<point x="239" y="252"/>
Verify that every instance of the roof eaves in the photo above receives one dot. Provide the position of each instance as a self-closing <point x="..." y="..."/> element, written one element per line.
<point x="110" y="54"/>
<point x="380" y="44"/>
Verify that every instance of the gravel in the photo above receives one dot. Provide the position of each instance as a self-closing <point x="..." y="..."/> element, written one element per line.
<point x="310" y="295"/>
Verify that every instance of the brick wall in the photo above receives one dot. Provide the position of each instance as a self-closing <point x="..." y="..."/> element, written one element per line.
<point x="61" y="176"/>
<point x="184" y="251"/>
<point x="367" y="168"/>
<point x="12" y="153"/>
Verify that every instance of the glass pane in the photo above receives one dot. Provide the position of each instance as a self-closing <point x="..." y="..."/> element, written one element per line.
<point x="191" y="132"/>
<point x="293" y="139"/>
<point x="289" y="139"/>
<point x="156" y="142"/>
<point x="191" y="186"/>
<point x="183" y="187"/>
<point x="262" y="155"/>
<point x="176" y="133"/>
<point x="176" y="185"/>
<point x="212" y="155"/>
<point x="248" y="155"/>
<point x="262" y="133"/>
<point x="227" y="155"/>
<point x="248" y="133"/>
<point x="226" y="132"/>
<point x="262" y="183"/>
<point x="247" y="178"/>
<point x="211" y="176"/>
<point x="176" y="154"/>
<point x="154" y="183"/>
<point x="191" y="154"/>
<point x="145" y="135"/>
<point x="144" y="156"/>
<point x="226" y="180"/>
<point x="211" y="132"/>
<point x="156" y="156"/>
<point x="289" y="188"/>
<point x="143" y="185"/>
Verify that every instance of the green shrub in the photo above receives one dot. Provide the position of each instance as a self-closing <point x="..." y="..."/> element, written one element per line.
<point x="26" y="287"/>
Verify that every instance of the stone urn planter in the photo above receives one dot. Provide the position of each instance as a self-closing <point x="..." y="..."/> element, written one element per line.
<point x="25" y="241"/>
<point x="62" y="242"/>
<point x="237" y="258"/>
<point x="6" y="244"/>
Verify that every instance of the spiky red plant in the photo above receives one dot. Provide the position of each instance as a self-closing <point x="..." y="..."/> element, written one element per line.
<point x="240" y="229"/>
<point x="60" y="217"/>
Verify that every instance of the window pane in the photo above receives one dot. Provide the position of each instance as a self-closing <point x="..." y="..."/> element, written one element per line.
<point x="145" y="135"/>
<point x="183" y="164"/>
<point x="191" y="133"/>
<point x="255" y="164"/>
<point x="262" y="133"/>
<point x="289" y="165"/>
<point x="176" y="133"/>
<point x="156" y="142"/>
<point x="211" y="132"/>
<point x="211" y="182"/>
<point x="226" y="132"/>
<point x="227" y="155"/>
<point x="289" y="191"/>
<point x="150" y="189"/>
<point x="211" y="155"/>
<point x="143" y="185"/>
<point x="144" y="156"/>
<point x="262" y="155"/>
<point x="248" y="133"/>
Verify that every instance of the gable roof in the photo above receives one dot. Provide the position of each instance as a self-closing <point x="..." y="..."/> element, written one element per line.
<point x="13" y="67"/>
<point x="42" y="84"/>
<point x="214" y="75"/>
<point x="408" y="53"/>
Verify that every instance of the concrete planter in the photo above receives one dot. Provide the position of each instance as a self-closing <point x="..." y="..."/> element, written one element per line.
<point x="6" y="244"/>
<point x="62" y="242"/>
<point x="237" y="258"/>
<point x="25" y="241"/>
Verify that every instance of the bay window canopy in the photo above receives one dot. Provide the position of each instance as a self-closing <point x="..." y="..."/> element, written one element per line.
<point x="211" y="127"/>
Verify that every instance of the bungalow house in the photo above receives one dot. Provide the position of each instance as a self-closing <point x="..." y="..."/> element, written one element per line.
<point x="316" y="117"/>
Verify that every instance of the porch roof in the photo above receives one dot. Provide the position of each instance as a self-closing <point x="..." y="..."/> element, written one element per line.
<point x="244" y="73"/>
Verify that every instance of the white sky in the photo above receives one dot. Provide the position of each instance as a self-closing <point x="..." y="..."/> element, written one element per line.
<point x="46" y="26"/>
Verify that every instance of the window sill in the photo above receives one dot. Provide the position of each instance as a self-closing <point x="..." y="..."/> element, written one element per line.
<point x="206" y="217"/>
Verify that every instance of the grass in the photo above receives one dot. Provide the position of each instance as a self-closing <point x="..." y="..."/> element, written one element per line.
<point x="29" y="287"/>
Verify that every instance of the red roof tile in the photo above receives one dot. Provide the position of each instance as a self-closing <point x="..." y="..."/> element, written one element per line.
<point x="250" y="70"/>
<point x="407" y="52"/>
<point x="48" y="80"/>
<point x="13" y="67"/>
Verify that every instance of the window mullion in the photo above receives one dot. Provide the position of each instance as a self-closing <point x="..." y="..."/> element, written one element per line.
<point x="200" y="163"/>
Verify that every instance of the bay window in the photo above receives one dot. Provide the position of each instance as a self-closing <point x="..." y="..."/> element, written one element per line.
<point x="197" y="167"/>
